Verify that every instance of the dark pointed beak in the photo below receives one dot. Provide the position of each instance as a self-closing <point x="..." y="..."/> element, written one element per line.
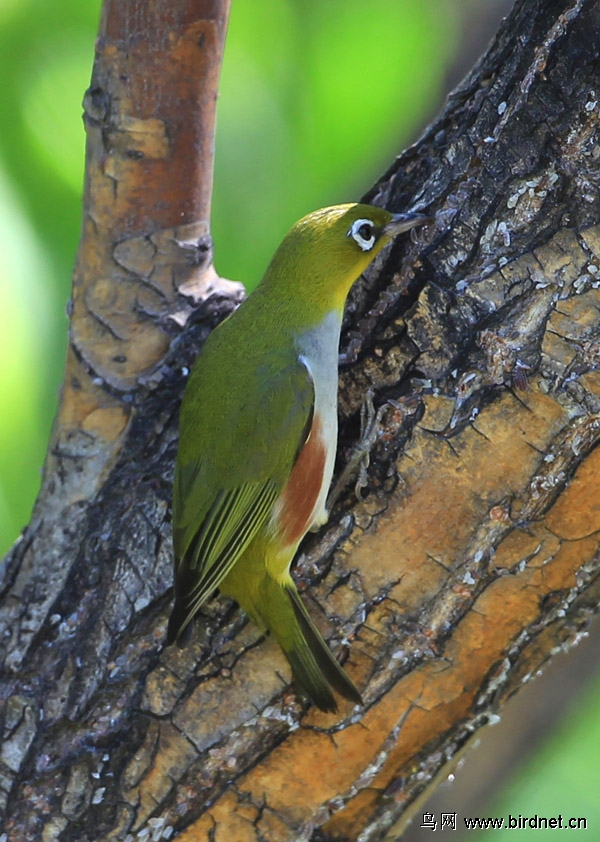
<point x="404" y="222"/>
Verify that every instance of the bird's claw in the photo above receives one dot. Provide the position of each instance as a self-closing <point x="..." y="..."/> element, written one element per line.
<point x="359" y="460"/>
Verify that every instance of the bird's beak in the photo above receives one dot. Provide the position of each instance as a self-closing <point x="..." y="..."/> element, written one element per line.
<point x="404" y="222"/>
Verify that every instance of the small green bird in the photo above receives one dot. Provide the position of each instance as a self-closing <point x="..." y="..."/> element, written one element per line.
<point x="258" y="437"/>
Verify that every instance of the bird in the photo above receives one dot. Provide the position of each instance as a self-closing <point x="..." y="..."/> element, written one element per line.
<point x="258" y="438"/>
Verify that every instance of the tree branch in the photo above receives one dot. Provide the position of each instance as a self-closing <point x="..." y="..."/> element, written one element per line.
<point x="474" y="554"/>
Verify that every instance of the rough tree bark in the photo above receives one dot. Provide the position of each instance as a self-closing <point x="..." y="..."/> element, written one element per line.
<point x="474" y="553"/>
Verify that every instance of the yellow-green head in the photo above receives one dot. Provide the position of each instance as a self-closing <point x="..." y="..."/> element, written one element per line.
<point x="327" y="250"/>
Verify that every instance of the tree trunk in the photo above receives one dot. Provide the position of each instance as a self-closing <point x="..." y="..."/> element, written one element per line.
<point x="473" y="553"/>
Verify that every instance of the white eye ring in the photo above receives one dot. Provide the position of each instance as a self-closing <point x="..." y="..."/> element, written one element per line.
<point x="357" y="233"/>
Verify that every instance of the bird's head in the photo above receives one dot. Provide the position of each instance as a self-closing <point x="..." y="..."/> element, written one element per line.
<point x="327" y="250"/>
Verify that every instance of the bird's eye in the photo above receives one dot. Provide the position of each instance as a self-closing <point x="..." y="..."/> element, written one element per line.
<point x="363" y="233"/>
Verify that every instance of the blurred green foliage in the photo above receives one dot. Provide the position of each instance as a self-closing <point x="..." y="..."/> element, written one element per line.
<point x="316" y="100"/>
<point x="46" y="53"/>
<point x="559" y="779"/>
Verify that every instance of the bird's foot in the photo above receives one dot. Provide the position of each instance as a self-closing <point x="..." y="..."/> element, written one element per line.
<point x="358" y="462"/>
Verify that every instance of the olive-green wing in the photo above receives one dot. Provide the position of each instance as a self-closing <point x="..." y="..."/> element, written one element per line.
<point x="214" y="521"/>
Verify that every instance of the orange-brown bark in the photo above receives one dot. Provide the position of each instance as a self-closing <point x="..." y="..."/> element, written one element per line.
<point x="145" y="246"/>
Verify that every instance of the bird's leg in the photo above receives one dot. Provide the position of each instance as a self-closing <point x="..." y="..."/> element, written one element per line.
<point x="358" y="461"/>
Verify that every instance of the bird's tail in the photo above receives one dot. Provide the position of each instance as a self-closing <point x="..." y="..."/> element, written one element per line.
<point x="311" y="660"/>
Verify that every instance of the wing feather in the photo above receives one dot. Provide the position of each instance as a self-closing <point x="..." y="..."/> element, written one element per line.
<point x="235" y="525"/>
<point x="228" y="537"/>
<point x="213" y="526"/>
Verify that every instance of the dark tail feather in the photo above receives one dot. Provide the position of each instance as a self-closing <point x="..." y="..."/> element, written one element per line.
<point x="181" y="626"/>
<point x="326" y="661"/>
<point x="312" y="662"/>
<point x="322" y="654"/>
